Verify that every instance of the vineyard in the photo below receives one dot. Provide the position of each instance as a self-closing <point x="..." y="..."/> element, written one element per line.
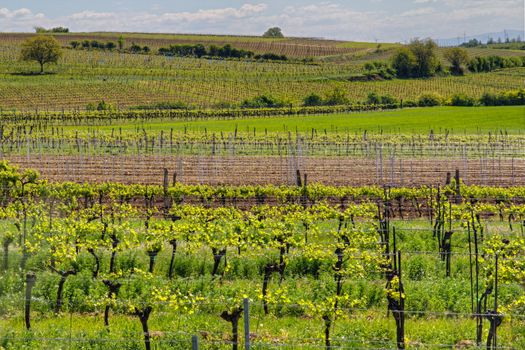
<point x="147" y="202"/>
<point x="318" y="266"/>
<point x="397" y="148"/>
<point x="127" y="80"/>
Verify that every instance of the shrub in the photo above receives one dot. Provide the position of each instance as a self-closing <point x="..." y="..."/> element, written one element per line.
<point x="389" y="100"/>
<point x="134" y="48"/>
<point x="337" y="97"/>
<point x="313" y="100"/>
<point x="410" y="103"/>
<point x="508" y="98"/>
<point x="271" y="57"/>
<point x="101" y="106"/>
<point x="462" y="100"/>
<point x="263" y="101"/>
<point x="375" y="99"/>
<point x="429" y="100"/>
<point x="379" y="69"/>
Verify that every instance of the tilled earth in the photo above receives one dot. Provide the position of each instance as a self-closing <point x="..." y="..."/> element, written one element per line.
<point x="238" y="170"/>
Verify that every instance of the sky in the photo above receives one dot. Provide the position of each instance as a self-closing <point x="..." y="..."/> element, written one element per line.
<point x="355" y="20"/>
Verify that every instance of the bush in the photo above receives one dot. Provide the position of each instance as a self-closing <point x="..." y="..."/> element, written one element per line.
<point x="409" y="104"/>
<point x="509" y="98"/>
<point x="271" y="57"/>
<point x="263" y="101"/>
<point x="429" y="100"/>
<point x="379" y="69"/>
<point x="313" y="100"/>
<point x="101" y="106"/>
<point x="462" y="100"/>
<point x="389" y="100"/>
<point x="337" y="97"/>
<point x="375" y="99"/>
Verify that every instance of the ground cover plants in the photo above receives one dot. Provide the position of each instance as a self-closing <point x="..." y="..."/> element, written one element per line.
<point x="100" y="263"/>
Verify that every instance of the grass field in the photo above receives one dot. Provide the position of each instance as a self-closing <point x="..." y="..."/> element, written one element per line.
<point x="456" y="120"/>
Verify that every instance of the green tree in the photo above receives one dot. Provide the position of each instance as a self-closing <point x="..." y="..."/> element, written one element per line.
<point x="457" y="58"/>
<point x="427" y="62"/>
<point x="121" y="42"/>
<point x="417" y="60"/>
<point x="42" y="49"/>
<point x="274" y="32"/>
<point x="313" y="100"/>
<point x="404" y="62"/>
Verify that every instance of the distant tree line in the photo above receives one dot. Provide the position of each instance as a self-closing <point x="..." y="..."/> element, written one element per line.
<point x="109" y="45"/>
<point x="226" y="51"/>
<point x="490" y="63"/>
<point x="419" y="59"/>
<point x="338" y="97"/>
<point x="42" y="30"/>
<point x="491" y="41"/>
<point x="93" y="44"/>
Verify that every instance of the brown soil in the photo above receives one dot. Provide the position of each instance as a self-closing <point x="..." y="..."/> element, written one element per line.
<point x="237" y="170"/>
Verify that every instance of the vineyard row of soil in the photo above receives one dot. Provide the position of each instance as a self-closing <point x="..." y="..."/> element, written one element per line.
<point x="239" y="170"/>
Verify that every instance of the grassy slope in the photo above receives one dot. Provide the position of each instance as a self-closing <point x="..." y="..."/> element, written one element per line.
<point x="417" y="120"/>
<point x="84" y="76"/>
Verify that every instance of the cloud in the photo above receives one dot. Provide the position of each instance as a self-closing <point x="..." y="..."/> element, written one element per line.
<point x="16" y="14"/>
<point x="332" y="19"/>
<point x="418" y="12"/>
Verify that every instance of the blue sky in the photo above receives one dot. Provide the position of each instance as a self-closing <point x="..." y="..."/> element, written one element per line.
<point x="383" y="20"/>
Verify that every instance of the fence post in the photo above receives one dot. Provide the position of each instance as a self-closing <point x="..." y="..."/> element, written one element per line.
<point x="247" y="323"/>
<point x="194" y="342"/>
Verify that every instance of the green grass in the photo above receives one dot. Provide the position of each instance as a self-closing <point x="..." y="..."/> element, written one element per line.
<point x="457" y="120"/>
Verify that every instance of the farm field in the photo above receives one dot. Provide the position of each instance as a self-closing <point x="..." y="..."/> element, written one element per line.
<point x="324" y="200"/>
<point x="402" y="147"/>
<point x="413" y="121"/>
<point x="186" y="255"/>
<point x="128" y="80"/>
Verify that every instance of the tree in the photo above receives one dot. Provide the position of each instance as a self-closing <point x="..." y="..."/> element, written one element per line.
<point x="404" y="62"/>
<point x="274" y="32"/>
<point x="43" y="49"/>
<point x="457" y="58"/>
<point x="313" y="100"/>
<point x="426" y="61"/>
<point x="110" y="45"/>
<point x="121" y="42"/>
<point x="417" y="60"/>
